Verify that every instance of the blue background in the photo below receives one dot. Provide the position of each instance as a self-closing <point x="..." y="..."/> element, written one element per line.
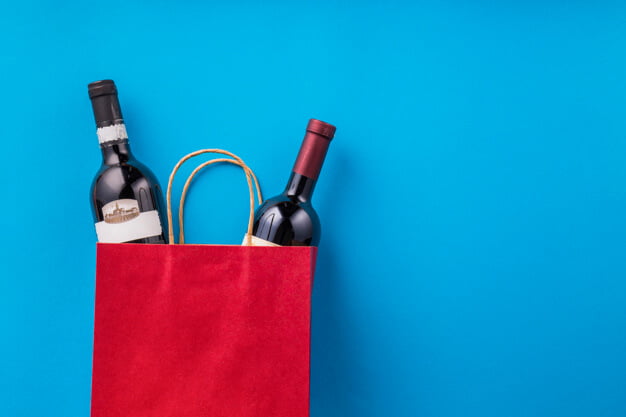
<point x="473" y="202"/>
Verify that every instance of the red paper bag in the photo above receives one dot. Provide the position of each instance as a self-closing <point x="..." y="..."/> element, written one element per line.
<point x="202" y="330"/>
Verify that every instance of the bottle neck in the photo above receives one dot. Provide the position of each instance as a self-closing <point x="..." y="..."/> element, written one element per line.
<point x="110" y="125"/>
<point x="116" y="152"/>
<point x="308" y="166"/>
<point x="300" y="187"/>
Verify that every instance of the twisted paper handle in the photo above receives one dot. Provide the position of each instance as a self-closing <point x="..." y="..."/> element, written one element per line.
<point x="236" y="161"/>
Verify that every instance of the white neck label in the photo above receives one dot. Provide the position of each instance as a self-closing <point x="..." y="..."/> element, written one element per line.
<point x="111" y="133"/>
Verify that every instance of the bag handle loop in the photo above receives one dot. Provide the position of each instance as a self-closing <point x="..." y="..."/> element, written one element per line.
<point x="236" y="161"/>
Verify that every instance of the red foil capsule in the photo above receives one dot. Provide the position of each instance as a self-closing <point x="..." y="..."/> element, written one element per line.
<point x="314" y="147"/>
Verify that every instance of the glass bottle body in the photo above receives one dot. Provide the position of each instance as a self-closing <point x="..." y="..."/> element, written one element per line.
<point x="289" y="219"/>
<point x="126" y="198"/>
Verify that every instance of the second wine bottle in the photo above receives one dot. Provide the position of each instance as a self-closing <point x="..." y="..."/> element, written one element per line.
<point x="289" y="219"/>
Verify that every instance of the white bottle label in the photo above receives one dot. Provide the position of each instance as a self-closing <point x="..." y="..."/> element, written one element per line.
<point x="123" y="222"/>
<point x="111" y="133"/>
<point x="257" y="241"/>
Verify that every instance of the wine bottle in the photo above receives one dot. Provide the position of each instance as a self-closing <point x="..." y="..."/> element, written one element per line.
<point x="289" y="218"/>
<point x="126" y="198"/>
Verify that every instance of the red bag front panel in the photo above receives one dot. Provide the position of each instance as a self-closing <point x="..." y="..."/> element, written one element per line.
<point x="202" y="330"/>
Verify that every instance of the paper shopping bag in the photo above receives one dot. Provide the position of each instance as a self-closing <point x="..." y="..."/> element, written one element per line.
<point x="202" y="330"/>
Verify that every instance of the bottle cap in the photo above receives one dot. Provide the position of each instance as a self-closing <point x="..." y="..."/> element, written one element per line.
<point x="105" y="103"/>
<point x="101" y="88"/>
<point x="321" y="128"/>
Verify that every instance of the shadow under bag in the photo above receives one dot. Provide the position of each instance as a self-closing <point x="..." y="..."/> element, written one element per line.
<point x="192" y="330"/>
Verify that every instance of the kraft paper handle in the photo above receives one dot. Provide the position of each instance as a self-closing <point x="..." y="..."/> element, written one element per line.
<point x="236" y="161"/>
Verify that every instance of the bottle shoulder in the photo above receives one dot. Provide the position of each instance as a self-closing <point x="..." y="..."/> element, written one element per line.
<point x="290" y="200"/>
<point x="130" y="170"/>
<point x="288" y="205"/>
<point x="124" y="180"/>
<point x="287" y="221"/>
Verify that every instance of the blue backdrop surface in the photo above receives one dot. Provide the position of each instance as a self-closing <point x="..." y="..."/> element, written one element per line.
<point x="473" y="202"/>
